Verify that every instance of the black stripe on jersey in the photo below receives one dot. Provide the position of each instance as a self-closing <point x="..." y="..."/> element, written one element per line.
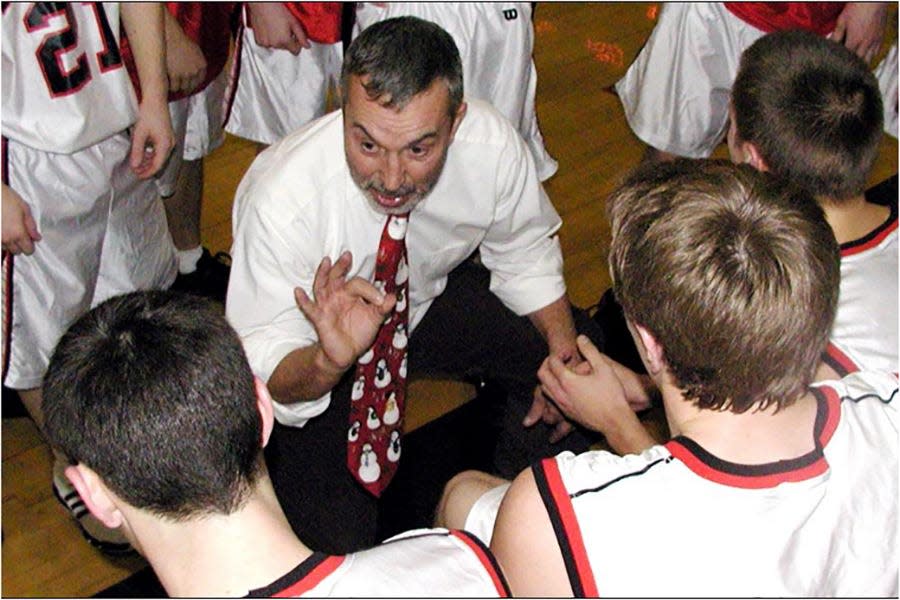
<point x="839" y="367"/>
<point x="621" y="477"/>
<point x="565" y="546"/>
<point x="853" y="244"/>
<point x="773" y="468"/>
<point x="819" y="394"/>
<point x="291" y="577"/>
<point x="490" y="556"/>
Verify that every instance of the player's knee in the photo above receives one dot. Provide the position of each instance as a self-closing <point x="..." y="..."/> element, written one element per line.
<point x="460" y="493"/>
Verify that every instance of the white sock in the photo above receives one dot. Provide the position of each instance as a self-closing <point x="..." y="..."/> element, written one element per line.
<point x="188" y="259"/>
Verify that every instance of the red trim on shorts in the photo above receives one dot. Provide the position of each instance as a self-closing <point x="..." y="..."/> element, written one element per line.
<point x="7" y="259"/>
<point x="487" y="560"/>
<point x="234" y="76"/>
<point x="315" y="577"/>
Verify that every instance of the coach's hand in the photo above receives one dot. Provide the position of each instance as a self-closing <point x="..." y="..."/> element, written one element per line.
<point x="346" y="314"/>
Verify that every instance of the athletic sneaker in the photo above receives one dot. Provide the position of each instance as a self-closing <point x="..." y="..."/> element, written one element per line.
<point x="210" y="279"/>
<point x="109" y="541"/>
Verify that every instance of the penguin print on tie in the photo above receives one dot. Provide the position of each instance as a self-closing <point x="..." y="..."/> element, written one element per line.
<point x="379" y="389"/>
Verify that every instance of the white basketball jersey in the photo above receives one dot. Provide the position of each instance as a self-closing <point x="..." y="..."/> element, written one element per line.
<point x="676" y="521"/>
<point x="420" y="563"/>
<point x="64" y="85"/>
<point x="865" y="330"/>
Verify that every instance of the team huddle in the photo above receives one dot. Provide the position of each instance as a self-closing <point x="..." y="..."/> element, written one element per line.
<point x="408" y="234"/>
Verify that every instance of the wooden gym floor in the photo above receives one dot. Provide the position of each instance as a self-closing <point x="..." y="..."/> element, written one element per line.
<point x="580" y="49"/>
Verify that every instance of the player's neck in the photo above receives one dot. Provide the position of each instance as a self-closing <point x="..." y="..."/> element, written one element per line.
<point x="854" y="218"/>
<point x="750" y="438"/>
<point x="222" y="556"/>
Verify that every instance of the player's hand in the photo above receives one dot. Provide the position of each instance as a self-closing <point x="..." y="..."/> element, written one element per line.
<point x="860" y="27"/>
<point x="591" y="393"/>
<point x="185" y="63"/>
<point x="346" y="314"/>
<point x="275" y="27"/>
<point x="19" y="228"/>
<point x="542" y="409"/>
<point x="152" y="139"/>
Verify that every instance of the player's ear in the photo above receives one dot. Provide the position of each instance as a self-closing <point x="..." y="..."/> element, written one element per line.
<point x="650" y="350"/>
<point x="266" y="410"/>
<point x="754" y="158"/>
<point x="95" y="495"/>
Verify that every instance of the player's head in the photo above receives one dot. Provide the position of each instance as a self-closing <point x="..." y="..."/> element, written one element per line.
<point x="153" y="393"/>
<point x="732" y="273"/>
<point x="401" y="57"/>
<point x="812" y="111"/>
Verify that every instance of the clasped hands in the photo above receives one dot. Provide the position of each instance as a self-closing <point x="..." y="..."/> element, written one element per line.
<point x="596" y="392"/>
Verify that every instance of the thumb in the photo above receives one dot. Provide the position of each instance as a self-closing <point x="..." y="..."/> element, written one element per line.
<point x="589" y="351"/>
<point x="31" y="227"/>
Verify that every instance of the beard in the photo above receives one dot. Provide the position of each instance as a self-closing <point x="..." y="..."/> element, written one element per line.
<point x="411" y="194"/>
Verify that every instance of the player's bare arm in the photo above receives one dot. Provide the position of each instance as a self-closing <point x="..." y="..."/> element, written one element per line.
<point x="595" y="396"/>
<point x="525" y="544"/>
<point x="185" y="63"/>
<point x="152" y="139"/>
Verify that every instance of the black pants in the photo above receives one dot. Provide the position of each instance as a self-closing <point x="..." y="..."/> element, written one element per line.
<point x="466" y="334"/>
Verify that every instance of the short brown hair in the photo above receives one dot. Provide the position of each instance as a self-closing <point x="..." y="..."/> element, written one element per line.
<point x="813" y="110"/>
<point x="733" y="272"/>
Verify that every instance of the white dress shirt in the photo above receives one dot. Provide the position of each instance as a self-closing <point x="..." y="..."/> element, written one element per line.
<point x="298" y="203"/>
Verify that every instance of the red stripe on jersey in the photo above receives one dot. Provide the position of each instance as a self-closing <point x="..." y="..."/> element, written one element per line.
<point x="563" y="504"/>
<point x="833" y="416"/>
<point x="840" y="362"/>
<point x="749" y="481"/>
<point x="872" y="240"/>
<point x="315" y="577"/>
<point x="487" y="561"/>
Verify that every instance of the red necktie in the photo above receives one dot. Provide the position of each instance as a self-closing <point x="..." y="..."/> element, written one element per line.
<point x="379" y="386"/>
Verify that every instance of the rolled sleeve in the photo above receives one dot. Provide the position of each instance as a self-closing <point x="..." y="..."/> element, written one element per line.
<point x="266" y="267"/>
<point x="521" y="248"/>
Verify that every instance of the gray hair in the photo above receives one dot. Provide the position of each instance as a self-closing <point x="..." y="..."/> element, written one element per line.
<point x="401" y="58"/>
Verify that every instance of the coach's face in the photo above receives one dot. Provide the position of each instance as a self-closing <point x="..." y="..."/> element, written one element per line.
<point x="396" y="156"/>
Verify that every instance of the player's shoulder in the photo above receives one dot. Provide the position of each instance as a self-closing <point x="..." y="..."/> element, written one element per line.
<point x="875" y="386"/>
<point x="864" y="400"/>
<point x="599" y="469"/>
<point x="430" y="562"/>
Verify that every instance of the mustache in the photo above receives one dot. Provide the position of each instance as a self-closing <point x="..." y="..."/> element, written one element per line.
<point x="402" y="191"/>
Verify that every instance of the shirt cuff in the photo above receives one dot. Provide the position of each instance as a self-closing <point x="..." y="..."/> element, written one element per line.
<point x="298" y="413"/>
